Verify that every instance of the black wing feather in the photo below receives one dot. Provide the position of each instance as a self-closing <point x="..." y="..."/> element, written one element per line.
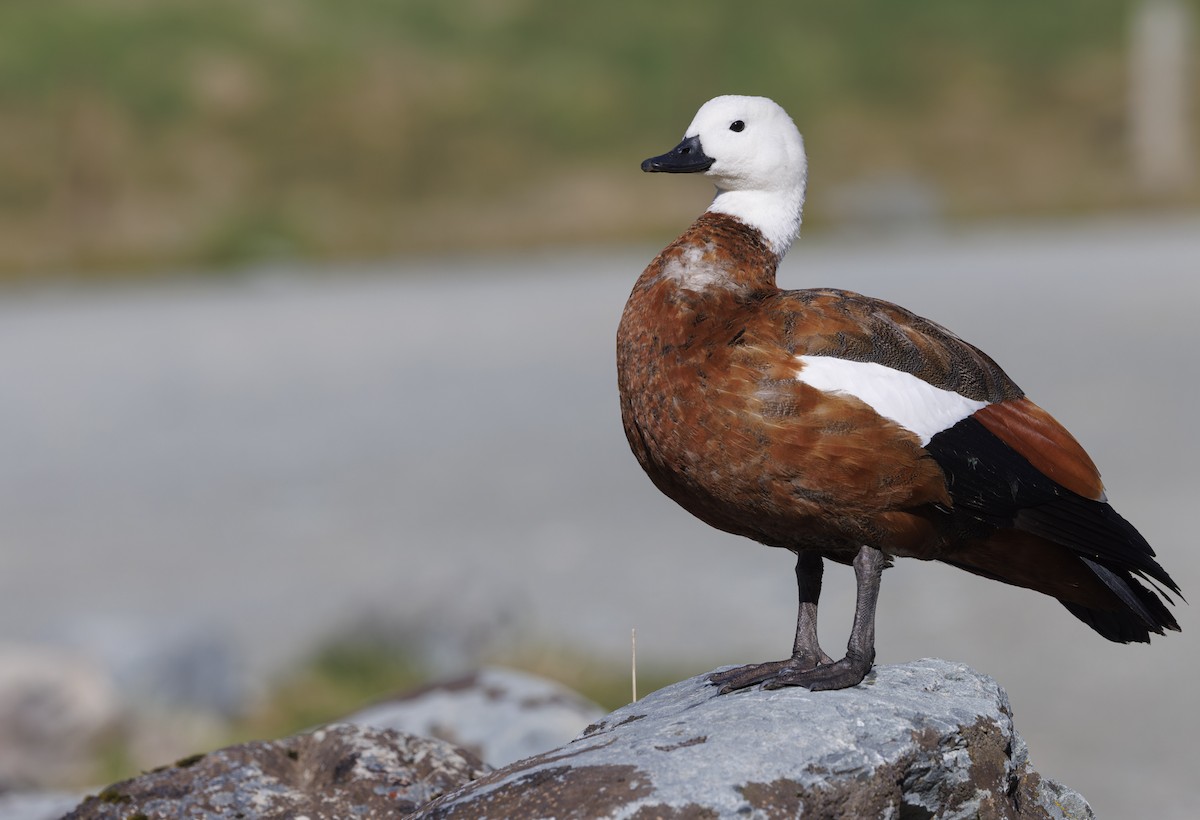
<point x="994" y="486"/>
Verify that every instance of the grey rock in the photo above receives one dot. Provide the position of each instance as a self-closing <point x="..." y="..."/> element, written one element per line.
<point x="24" y="805"/>
<point x="924" y="739"/>
<point x="56" y="708"/>
<point x="165" y="663"/>
<point x="499" y="714"/>
<point x="338" y="771"/>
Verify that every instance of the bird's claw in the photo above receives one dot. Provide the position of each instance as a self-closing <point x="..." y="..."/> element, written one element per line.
<point x="743" y="677"/>
<point x="799" y="670"/>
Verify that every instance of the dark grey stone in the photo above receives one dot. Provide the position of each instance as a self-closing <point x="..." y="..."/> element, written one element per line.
<point x="924" y="739"/>
<point x="339" y="771"/>
<point x="500" y="715"/>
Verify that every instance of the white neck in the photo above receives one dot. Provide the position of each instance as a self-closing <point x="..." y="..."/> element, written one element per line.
<point x="776" y="214"/>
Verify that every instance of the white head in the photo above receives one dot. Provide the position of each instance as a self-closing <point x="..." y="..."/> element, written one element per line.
<point x="754" y="154"/>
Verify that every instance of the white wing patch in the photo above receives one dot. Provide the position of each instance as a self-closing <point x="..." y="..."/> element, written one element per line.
<point x="914" y="404"/>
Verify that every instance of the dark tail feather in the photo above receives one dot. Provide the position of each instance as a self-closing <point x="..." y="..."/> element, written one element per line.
<point x="1048" y="538"/>
<point x="1098" y="533"/>
<point x="1144" y="610"/>
<point x="1120" y="627"/>
<point x="1116" y="554"/>
<point x="1104" y="595"/>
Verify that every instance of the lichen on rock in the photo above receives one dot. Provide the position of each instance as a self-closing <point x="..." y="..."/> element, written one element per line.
<point x="338" y="771"/>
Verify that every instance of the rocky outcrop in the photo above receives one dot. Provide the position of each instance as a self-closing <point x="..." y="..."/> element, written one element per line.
<point x="154" y="692"/>
<point x="924" y="739"/>
<point x="336" y="772"/>
<point x="929" y="739"/>
<point x="500" y="715"/>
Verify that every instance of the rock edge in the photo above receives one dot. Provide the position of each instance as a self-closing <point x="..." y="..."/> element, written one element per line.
<point x="924" y="739"/>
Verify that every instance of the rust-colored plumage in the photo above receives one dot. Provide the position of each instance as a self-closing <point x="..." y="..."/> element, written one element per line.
<point x="924" y="449"/>
<point x="1044" y="443"/>
<point x="716" y="416"/>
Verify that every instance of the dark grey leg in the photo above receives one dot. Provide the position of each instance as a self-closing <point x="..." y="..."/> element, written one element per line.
<point x="806" y="651"/>
<point x="860" y="649"/>
<point x="809" y="570"/>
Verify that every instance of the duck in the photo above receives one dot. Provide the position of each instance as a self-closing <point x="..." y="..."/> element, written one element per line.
<point x="846" y="428"/>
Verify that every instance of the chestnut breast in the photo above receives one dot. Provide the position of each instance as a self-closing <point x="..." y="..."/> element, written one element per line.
<point x="715" y="414"/>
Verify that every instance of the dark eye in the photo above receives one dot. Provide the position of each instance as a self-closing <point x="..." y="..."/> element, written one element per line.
<point x="737" y="125"/>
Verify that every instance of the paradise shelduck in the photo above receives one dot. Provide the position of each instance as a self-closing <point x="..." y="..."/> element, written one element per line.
<point x="844" y="427"/>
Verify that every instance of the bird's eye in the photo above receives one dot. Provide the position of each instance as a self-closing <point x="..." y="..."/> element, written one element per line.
<point x="737" y="125"/>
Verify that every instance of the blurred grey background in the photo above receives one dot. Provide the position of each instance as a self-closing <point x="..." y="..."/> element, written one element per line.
<point x="307" y="319"/>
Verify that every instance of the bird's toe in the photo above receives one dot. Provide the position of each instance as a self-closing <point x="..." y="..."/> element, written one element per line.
<point x="743" y="677"/>
<point x="843" y="674"/>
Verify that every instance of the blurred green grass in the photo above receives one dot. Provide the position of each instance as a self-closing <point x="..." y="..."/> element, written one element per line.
<point x="347" y="675"/>
<point x="151" y="134"/>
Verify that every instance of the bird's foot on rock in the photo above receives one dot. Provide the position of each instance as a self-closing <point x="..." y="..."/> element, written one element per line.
<point x="742" y="677"/>
<point x="843" y="674"/>
<point x="796" y="671"/>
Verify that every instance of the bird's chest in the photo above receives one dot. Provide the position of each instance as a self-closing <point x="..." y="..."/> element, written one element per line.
<point x="688" y="406"/>
<point x="679" y="411"/>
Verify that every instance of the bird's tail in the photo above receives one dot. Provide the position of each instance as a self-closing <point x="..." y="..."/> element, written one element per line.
<point x="1086" y="555"/>
<point x="1117" y="555"/>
